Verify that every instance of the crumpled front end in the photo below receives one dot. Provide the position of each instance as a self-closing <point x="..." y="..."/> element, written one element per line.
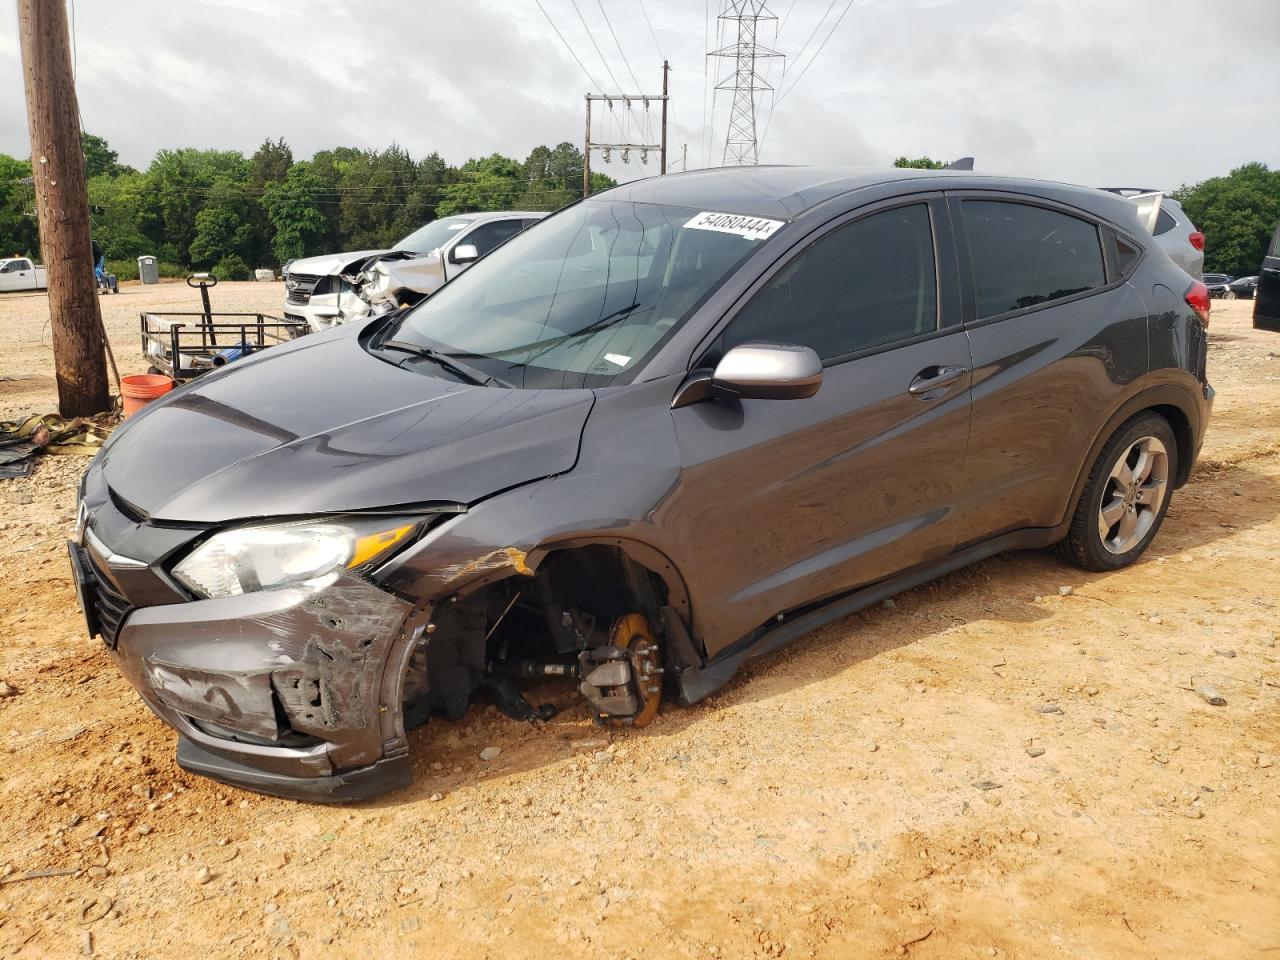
<point x="399" y="279"/>
<point x="293" y="691"/>
<point x="276" y="686"/>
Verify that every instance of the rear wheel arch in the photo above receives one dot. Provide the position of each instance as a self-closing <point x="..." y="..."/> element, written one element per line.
<point x="1171" y="401"/>
<point x="1183" y="434"/>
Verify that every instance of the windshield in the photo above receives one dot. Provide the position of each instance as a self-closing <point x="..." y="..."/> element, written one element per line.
<point x="435" y="234"/>
<point x="584" y="297"/>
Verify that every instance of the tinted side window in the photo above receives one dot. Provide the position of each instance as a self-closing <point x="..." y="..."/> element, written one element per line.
<point x="1024" y="255"/>
<point x="865" y="284"/>
<point x="1275" y="245"/>
<point x="1126" y="254"/>
<point x="1164" y="223"/>
<point x="489" y="235"/>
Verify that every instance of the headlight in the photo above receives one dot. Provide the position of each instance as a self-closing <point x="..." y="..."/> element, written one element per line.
<point x="259" y="558"/>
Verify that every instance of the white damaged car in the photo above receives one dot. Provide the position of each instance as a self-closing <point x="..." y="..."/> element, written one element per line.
<point x="337" y="288"/>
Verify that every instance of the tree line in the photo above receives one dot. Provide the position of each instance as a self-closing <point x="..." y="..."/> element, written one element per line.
<point x="221" y="210"/>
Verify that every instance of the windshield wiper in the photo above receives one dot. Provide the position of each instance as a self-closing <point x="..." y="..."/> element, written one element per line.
<point x="458" y="370"/>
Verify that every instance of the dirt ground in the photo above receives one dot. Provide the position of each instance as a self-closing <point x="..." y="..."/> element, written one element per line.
<point x="986" y="768"/>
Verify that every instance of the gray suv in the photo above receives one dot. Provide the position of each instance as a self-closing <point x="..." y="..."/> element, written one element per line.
<point x="661" y="433"/>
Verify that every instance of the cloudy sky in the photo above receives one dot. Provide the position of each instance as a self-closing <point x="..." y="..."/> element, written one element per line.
<point x="1142" y="92"/>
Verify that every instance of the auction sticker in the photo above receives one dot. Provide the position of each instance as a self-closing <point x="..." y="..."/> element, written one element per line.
<point x="753" y="228"/>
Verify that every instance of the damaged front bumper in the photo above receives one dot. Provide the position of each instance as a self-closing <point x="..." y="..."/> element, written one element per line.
<point x="293" y="692"/>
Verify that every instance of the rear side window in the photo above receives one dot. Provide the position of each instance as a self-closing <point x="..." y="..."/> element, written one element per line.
<point x="866" y="284"/>
<point x="1164" y="223"/>
<point x="1024" y="255"/>
<point x="1126" y="256"/>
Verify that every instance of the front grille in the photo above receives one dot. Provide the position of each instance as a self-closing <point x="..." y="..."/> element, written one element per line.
<point x="299" y="287"/>
<point x="106" y="607"/>
<point x="110" y="609"/>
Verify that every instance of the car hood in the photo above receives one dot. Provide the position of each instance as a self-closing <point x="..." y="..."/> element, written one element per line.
<point x="321" y="426"/>
<point x="332" y="263"/>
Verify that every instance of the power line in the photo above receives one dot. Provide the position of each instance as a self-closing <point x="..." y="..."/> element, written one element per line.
<point x="785" y="17"/>
<point x="778" y="99"/>
<point x="657" y="46"/>
<point x="834" y="27"/>
<point x="592" y="37"/>
<point x="625" y="62"/>
<point x="572" y="53"/>
<point x="816" y="27"/>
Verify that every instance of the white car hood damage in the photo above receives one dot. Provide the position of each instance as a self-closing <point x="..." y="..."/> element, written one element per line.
<point x="333" y="264"/>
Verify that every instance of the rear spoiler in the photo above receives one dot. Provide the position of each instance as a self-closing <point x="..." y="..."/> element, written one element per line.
<point x="1147" y="201"/>
<point x="1148" y="205"/>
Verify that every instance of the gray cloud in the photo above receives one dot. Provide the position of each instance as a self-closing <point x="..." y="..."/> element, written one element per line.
<point x="1155" y="92"/>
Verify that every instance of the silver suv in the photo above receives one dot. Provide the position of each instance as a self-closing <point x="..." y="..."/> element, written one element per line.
<point x="1170" y="225"/>
<point x="328" y="290"/>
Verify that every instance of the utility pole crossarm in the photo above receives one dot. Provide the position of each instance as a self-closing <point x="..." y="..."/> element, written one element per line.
<point x="626" y="99"/>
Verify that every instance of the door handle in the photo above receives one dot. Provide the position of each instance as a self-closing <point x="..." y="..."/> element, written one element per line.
<point x="932" y="378"/>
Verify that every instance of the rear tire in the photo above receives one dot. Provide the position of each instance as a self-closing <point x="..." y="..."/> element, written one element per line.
<point x="1126" y="497"/>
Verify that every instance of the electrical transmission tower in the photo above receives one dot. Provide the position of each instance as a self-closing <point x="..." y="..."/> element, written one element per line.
<point x="745" y="80"/>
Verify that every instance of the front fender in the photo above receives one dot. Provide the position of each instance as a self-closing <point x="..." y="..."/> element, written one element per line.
<point x="620" y="493"/>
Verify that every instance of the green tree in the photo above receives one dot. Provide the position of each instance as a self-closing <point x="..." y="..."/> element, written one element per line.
<point x="99" y="158"/>
<point x="222" y="225"/>
<point x="485" y="183"/>
<point x="270" y="163"/>
<point x="231" y="267"/>
<point x="920" y="163"/>
<point x="123" y="219"/>
<point x="553" y="178"/>
<point x="1237" y="214"/>
<point x="180" y="181"/>
<point x="19" y="232"/>
<point x="291" y="207"/>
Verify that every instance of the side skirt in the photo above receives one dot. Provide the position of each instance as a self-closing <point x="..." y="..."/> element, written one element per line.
<point x="697" y="683"/>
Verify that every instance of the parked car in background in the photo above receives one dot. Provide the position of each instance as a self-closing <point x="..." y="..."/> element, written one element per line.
<point x="328" y="290"/>
<point x="1266" y="298"/>
<point x="1242" y="289"/>
<point x="1218" y="284"/>
<point x="1169" y="224"/>
<point x="19" y="273"/>
<point x="672" y="428"/>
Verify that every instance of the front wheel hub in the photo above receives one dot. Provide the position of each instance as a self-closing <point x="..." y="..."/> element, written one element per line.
<point x="623" y="680"/>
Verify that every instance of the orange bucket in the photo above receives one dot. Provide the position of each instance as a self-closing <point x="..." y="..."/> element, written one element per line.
<point x="139" y="389"/>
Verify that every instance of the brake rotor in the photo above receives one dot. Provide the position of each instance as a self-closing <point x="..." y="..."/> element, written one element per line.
<point x="633" y="633"/>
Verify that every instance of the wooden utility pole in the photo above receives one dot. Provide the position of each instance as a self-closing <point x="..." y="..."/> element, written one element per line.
<point x="627" y="99"/>
<point x="666" y="68"/>
<point x="586" y="154"/>
<point x="62" y="208"/>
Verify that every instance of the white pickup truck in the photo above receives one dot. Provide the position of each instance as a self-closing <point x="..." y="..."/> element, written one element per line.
<point x="19" y="273"/>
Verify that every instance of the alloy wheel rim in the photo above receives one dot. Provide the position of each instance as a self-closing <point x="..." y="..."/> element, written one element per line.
<point x="1134" y="494"/>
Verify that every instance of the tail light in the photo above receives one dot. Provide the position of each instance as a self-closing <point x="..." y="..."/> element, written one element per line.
<point x="1197" y="240"/>
<point x="1197" y="297"/>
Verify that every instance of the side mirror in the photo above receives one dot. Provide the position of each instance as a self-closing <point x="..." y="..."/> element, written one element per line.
<point x="465" y="253"/>
<point x="756" y="371"/>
